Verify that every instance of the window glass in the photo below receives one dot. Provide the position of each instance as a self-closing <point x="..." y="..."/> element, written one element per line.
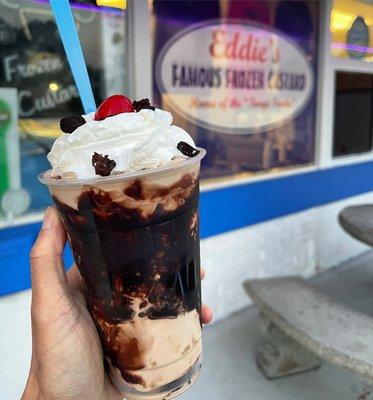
<point x="240" y="77"/>
<point x="353" y="113"/>
<point x="37" y="87"/>
<point x="351" y="26"/>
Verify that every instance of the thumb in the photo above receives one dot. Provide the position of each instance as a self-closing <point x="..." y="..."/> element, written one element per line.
<point x="49" y="282"/>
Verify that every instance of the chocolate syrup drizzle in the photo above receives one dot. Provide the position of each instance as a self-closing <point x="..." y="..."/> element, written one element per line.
<point x="124" y="254"/>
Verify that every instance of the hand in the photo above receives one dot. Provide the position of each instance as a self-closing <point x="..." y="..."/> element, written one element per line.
<point x="67" y="359"/>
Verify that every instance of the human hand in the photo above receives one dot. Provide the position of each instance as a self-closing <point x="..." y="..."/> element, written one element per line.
<point x="67" y="359"/>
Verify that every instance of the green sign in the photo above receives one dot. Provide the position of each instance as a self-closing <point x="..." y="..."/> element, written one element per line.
<point x="5" y="121"/>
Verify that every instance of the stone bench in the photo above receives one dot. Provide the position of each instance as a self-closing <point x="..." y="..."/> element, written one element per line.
<point x="328" y="317"/>
<point x="358" y="222"/>
<point x="304" y="325"/>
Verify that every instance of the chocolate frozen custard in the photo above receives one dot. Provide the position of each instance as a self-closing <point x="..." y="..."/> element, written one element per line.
<point x="126" y="184"/>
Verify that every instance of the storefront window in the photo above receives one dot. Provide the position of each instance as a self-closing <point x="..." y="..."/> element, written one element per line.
<point x="353" y="113"/>
<point x="351" y="26"/>
<point x="240" y="76"/>
<point x="37" y="87"/>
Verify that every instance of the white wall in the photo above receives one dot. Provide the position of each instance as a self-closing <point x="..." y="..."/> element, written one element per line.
<point x="302" y="243"/>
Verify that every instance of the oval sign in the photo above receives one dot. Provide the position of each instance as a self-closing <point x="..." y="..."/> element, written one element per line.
<point x="234" y="77"/>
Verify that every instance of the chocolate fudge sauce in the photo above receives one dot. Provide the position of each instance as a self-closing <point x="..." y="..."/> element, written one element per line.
<point x="137" y="250"/>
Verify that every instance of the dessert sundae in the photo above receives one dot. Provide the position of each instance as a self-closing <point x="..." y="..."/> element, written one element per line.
<point x="126" y="184"/>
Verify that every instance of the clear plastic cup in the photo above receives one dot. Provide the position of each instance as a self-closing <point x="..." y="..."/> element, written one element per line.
<point x="135" y="240"/>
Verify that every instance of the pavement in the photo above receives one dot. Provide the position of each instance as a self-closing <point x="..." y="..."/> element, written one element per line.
<point x="229" y="371"/>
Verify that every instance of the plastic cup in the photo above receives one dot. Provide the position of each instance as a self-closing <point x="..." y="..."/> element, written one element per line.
<point x="135" y="240"/>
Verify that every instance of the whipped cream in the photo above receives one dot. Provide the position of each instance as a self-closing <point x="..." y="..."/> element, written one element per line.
<point x="135" y="141"/>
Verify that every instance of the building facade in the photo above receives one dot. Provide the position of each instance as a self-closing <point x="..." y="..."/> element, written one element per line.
<point x="280" y="93"/>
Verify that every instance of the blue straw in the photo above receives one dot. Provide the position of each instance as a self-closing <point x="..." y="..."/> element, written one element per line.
<point x="66" y="26"/>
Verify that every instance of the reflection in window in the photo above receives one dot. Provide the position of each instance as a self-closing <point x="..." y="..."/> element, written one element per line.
<point x="351" y="26"/>
<point x="33" y="62"/>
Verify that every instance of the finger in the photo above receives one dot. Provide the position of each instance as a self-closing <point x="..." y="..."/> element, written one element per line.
<point x="47" y="272"/>
<point x="206" y="314"/>
<point x="203" y="273"/>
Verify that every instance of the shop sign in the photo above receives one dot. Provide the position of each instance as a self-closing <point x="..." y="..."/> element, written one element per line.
<point x="234" y="77"/>
<point x="49" y="70"/>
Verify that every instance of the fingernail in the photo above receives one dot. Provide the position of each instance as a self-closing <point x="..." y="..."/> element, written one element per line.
<point x="47" y="222"/>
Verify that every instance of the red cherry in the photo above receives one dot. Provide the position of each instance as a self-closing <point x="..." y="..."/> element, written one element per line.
<point x="114" y="105"/>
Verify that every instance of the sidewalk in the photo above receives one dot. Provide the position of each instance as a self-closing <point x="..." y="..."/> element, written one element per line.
<point x="229" y="371"/>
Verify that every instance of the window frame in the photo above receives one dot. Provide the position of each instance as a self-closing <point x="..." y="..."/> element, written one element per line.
<point x="330" y="66"/>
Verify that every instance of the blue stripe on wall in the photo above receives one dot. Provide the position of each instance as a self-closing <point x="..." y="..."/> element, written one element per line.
<point x="15" y="246"/>
<point x="222" y="210"/>
<point x="231" y="208"/>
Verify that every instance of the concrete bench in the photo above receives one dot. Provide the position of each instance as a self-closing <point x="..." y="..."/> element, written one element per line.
<point x="358" y="222"/>
<point x="328" y="317"/>
<point x="305" y="325"/>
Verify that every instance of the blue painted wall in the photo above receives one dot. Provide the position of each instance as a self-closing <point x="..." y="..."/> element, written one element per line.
<point x="226" y="209"/>
<point x="222" y="210"/>
<point x="15" y="246"/>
